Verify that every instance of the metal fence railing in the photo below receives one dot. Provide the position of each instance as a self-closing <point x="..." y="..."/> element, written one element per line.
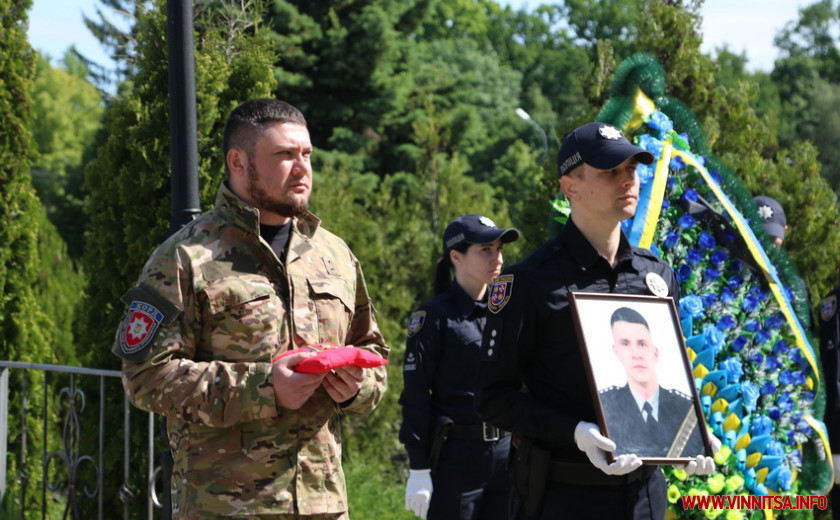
<point x="68" y="475"/>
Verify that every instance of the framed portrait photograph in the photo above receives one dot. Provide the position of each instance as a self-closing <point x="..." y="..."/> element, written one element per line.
<point x="640" y="376"/>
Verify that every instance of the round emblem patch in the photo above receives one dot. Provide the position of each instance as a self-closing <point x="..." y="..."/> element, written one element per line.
<point x="656" y="284"/>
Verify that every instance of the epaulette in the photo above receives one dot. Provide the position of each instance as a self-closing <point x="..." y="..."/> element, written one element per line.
<point x="678" y="393"/>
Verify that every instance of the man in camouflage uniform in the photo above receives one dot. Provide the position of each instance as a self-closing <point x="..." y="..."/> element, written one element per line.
<point x="246" y="281"/>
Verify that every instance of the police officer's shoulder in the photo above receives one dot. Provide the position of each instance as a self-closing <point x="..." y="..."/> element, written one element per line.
<point x="677" y="393"/>
<point x="610" y="390"/>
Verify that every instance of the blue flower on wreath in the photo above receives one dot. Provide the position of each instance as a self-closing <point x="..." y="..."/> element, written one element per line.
<point x="784" y="402"/>
<point x="727" y="296"/>
<point x="785" y="478"/>
<point x="774" y="448"/>
<point x="671" y="239"/>
<point x="804" y="428"/>
<point x="706" y="241"/>
<point x="686" y="221"/>
<point x="751" y="302"/>
<point x="798" y="377"/>
<point x="768" y="388"/>
<point x="716" y="176"/>
<point x="718" y="257"/>
<point x="780" y="348"/>
<point x="808" y="395"/>
<point x="715" y="338"/>
<point x="711" y="274"/>
<point x="709" y="299"/>
<point x="762" y="337"/>
<point x="774" y="322"/>
<point x="786" y="378"/>
<point x="750" y="393"/>
<point x="684" y="273"/>
<point x="739" y="343"/>
<point x="772" y="363"/>
<point x="690" y="195"/>
<point x="774" y="413"/>
<point x="725" y="323"/>
<point x="651" y="144"/>
<point x="677" y="163"/>
<point x="661" y="122"/>
<point x="757" y="358"/>
<point x="752" y="326"/>
<point x="735" y="281"/>
<point x="694" y="257"/>
<point x="645" y="173"/>
<point x="733" y="368"/>
<point x="761" y="425"/>
<point x="691" y="306"/>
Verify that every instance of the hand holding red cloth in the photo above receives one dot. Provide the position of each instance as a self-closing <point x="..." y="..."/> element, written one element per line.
<point x="330" y="356"/>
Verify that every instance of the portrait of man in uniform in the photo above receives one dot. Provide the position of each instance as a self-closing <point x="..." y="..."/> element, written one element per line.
<point x="643" y="415"/>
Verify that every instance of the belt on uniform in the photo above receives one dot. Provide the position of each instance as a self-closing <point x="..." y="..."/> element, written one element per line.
<point x="588" y="475"/>
<point x="476" y="432"/>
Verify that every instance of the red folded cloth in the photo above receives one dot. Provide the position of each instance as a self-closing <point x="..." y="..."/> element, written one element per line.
<point x="330" y="357"/>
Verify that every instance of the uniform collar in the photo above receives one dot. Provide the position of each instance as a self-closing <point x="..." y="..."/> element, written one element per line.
<point x="465" y="305"/>
<point x="574" y="243"/>
<point x="247" y="217"/>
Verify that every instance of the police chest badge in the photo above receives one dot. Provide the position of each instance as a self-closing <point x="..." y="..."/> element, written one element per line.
<point x="415" y="322"/>
<point x="828" y="308"/>
<point x="139" y="326"/>
<point x="500" y="292"/>
<point x="656" y="284"/>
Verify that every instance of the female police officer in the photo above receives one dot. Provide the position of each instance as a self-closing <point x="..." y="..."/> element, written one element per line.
<point x="463" y="478"/>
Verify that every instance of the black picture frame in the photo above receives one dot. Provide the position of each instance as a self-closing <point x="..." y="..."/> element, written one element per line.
<point x="617" y="356"/>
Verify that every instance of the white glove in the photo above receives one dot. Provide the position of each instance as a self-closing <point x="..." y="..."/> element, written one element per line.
<point x="836" y="460"/>
<point x="418" y="491"/>
<point x="701" y="465"/>
<point x="715" y="442"/>
<point x="590" y="441"/>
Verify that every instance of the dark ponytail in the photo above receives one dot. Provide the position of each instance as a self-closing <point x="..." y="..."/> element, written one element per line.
<point x="445" y="270"/>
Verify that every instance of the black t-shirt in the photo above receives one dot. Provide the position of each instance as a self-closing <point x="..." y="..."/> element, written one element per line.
<point x="277" y="237"/>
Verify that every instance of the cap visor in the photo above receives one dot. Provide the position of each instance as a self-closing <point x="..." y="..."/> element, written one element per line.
<point x="491" y="235"/>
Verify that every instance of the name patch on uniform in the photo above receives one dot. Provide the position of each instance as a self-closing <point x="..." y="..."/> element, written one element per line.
<point x="828" y="308"/>
<point x="415" y="322"/>
<point x="410" y="363"/>
<point x="500" y="292"/>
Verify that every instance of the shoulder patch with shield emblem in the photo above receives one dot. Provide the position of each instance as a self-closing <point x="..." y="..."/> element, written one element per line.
<point x="828" y="308"/>
<point x="415" y="322"/>
<point x="500" y="292"/>
<point x="147" y="311"/>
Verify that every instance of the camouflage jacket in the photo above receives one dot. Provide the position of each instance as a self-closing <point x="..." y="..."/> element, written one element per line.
<point x="212" y="307"/>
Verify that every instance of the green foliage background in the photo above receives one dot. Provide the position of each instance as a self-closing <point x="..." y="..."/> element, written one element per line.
<point x="411" y="108"/>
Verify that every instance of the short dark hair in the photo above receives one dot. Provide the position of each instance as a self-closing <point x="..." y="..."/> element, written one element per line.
<point x="248" y="121"/>
<point x="629" y="315"/>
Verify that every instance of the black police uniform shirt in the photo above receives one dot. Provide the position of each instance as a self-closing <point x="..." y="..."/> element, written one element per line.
<point x="829" y="319"/>
<point x="442" y="357"/>
<point x="633" y="432"/>
<point x="532" y="379"/>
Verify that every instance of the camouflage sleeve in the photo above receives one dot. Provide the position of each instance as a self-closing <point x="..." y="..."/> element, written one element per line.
<point x="364" y="333"/>
<point x="166" y="377"/>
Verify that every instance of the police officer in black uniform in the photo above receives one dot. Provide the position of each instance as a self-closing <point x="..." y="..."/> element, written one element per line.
<point x="532" y="380"/>
<point x="830" y="354"/>
<point x="643" y="417"/>
<point x="457" y="462"/>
